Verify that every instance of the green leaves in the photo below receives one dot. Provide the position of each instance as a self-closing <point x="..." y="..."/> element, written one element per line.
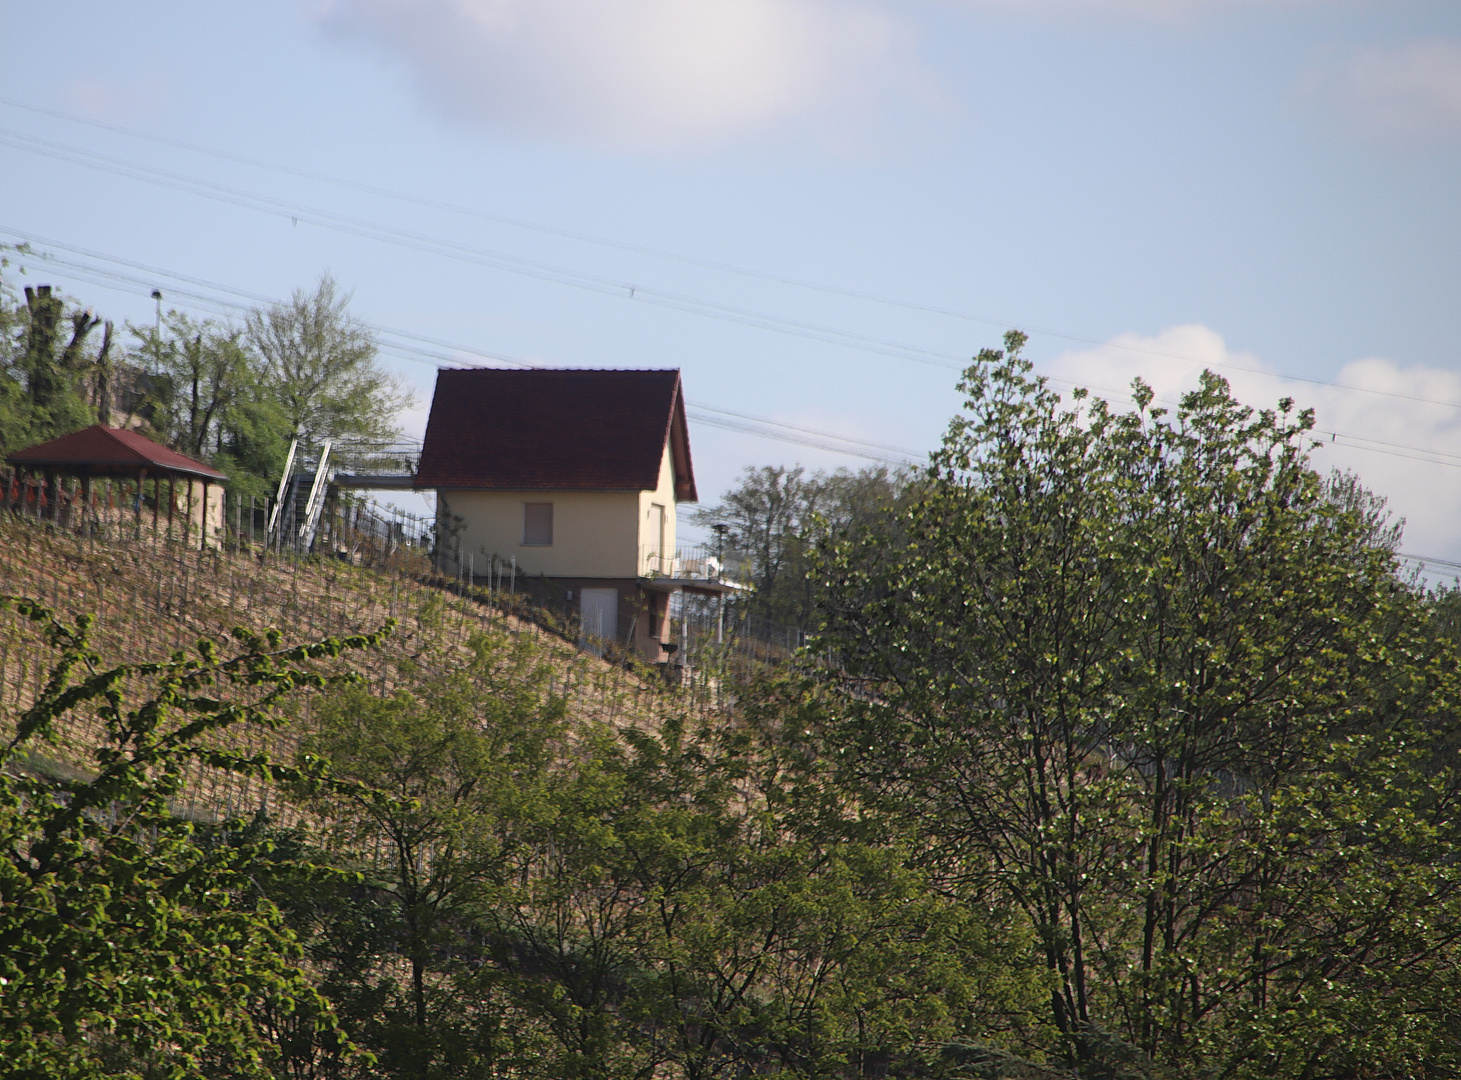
<point x="133" y="942"/>
<point x="1095" y="659"/>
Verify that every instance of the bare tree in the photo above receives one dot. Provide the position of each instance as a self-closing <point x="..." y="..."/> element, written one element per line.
<point x="319" y="364"/>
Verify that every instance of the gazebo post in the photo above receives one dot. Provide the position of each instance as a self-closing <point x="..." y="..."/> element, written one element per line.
<point x="61" y="476"/>
<point x="50" y="487"/>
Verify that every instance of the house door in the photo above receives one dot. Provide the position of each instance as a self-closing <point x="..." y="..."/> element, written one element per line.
<point x="599" y="609"/>
<point x="657" y="534"/>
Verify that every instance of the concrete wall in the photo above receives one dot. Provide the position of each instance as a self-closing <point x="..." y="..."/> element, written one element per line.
<point x="188" y="509"/>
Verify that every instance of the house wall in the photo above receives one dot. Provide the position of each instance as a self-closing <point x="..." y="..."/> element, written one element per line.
<point x="662" y="495"/>
<point x="596" y="534"/>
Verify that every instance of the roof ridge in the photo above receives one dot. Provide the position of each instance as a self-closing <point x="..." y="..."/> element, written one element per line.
<point x="563" y="429"/>
<point x="554" y="370"/>
<point x="115" y="434"/>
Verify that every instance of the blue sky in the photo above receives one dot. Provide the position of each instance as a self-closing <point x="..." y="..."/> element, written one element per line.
<point x="1272" y="187"/>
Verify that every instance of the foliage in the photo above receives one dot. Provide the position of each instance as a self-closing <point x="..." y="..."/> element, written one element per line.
<point x="468" y="756"/>
<point x="1150" y="680"/>
<point x="586" y="902"/>
<point x="47" y="381"/>
<point x="133" y="942"/>
<point x="775" y="516"/>
<point x="1135" y="757"/>
<point x="200" y="373"/>
<point x="229" y="395"/>
<point x="206" y="394"/>
<point x="319" y="364"/>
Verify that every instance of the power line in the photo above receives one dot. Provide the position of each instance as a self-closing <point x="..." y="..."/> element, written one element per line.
<point x="702" y="412"/>
<point x="1426" y="560"/>
<point x="496" y="260"/>
<point x="728" y="419"/>
<point x="520" y="223"/>
<point x="594" y="282"/>
<point x="689" y="260"/>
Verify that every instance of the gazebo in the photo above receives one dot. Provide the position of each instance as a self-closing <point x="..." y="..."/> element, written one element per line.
<point x="112" y="454"/>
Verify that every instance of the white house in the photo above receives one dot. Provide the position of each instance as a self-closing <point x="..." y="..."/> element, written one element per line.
<point x="569" y="479"/>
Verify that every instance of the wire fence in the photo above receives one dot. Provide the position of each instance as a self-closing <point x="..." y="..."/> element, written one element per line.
<point x="154" y="595"/>
<point x="714" y="640"/>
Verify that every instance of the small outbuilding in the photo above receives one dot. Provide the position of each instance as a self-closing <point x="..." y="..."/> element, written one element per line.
<point x="58" y="479"/>
<point x="569" y="480"/>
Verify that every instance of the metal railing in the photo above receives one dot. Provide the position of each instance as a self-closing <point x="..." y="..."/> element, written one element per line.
<point x="697" y="563"/>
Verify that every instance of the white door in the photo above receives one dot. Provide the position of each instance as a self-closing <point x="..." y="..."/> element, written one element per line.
<point x="599" y="609"/>
<point x="657" y="538"/>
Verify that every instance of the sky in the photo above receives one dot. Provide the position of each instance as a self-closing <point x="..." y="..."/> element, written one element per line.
<point x="819" y="210"/>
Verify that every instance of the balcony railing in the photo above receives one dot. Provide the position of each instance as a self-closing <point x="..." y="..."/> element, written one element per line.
<point x="700" y="563"/>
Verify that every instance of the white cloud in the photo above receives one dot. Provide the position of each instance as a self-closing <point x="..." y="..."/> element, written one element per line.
<point x="640" y="73"/>
<point x="1164" y="10"/>
<point x="1425" y="493"/>
<point x="1409" y="94"/>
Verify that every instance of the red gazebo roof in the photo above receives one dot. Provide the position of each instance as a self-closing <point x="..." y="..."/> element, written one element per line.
<point x="108" y="451"/>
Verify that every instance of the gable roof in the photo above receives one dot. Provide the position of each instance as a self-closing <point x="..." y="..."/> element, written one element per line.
<point x="109" y="451"/>
<point x="555" y="429"/>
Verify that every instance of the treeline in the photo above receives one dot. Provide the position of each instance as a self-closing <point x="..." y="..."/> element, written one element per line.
<point x="232" y="394"/>
<point x="771" y="523"/>
<point x="1124" y="750"/>
<point x="500" y="889"/>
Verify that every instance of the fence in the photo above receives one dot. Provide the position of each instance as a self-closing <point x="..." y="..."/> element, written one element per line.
<point x="698" y="563"/>
<point x="152" y="596"/>
<point x="714" y="641"/>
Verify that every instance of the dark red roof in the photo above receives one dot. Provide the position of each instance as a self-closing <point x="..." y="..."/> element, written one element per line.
<point x="108" y="451"/>
<point x="562" y="429"/>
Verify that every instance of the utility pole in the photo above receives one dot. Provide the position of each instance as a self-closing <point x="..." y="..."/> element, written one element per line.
<point x="157" y="331"/>
<point x="721" y="528"/>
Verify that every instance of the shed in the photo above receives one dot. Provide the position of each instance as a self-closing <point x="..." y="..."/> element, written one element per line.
<point x="100" y="452"/>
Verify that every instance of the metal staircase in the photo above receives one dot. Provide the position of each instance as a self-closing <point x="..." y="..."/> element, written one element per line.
<point x="295" y="520"/>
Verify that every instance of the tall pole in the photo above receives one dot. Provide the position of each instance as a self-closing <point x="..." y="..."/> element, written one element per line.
<point x="157" y="331"/>
<point x="721" y="528"/>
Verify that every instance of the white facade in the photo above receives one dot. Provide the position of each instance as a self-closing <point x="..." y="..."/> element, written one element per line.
<point x="594" y="534"/>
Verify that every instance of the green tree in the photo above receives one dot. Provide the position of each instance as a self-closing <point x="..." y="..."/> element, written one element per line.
<point x="132" y="943"/>
<point x="468" y="755"/>
<point x="47" y="376"/>
<point x="793" y="933"/>
<point x="319" y="364"/>
<point x="775" y="516"/>
<point x="571" y="900"/>
<point x="202" y="374"/>
<point x="1151" y="680"/>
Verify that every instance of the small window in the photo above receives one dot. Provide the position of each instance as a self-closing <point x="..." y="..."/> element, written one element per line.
<point x="537" y="524"/>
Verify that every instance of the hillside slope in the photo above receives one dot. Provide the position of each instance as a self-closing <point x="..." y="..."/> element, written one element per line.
<point x="151" y="598"/>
